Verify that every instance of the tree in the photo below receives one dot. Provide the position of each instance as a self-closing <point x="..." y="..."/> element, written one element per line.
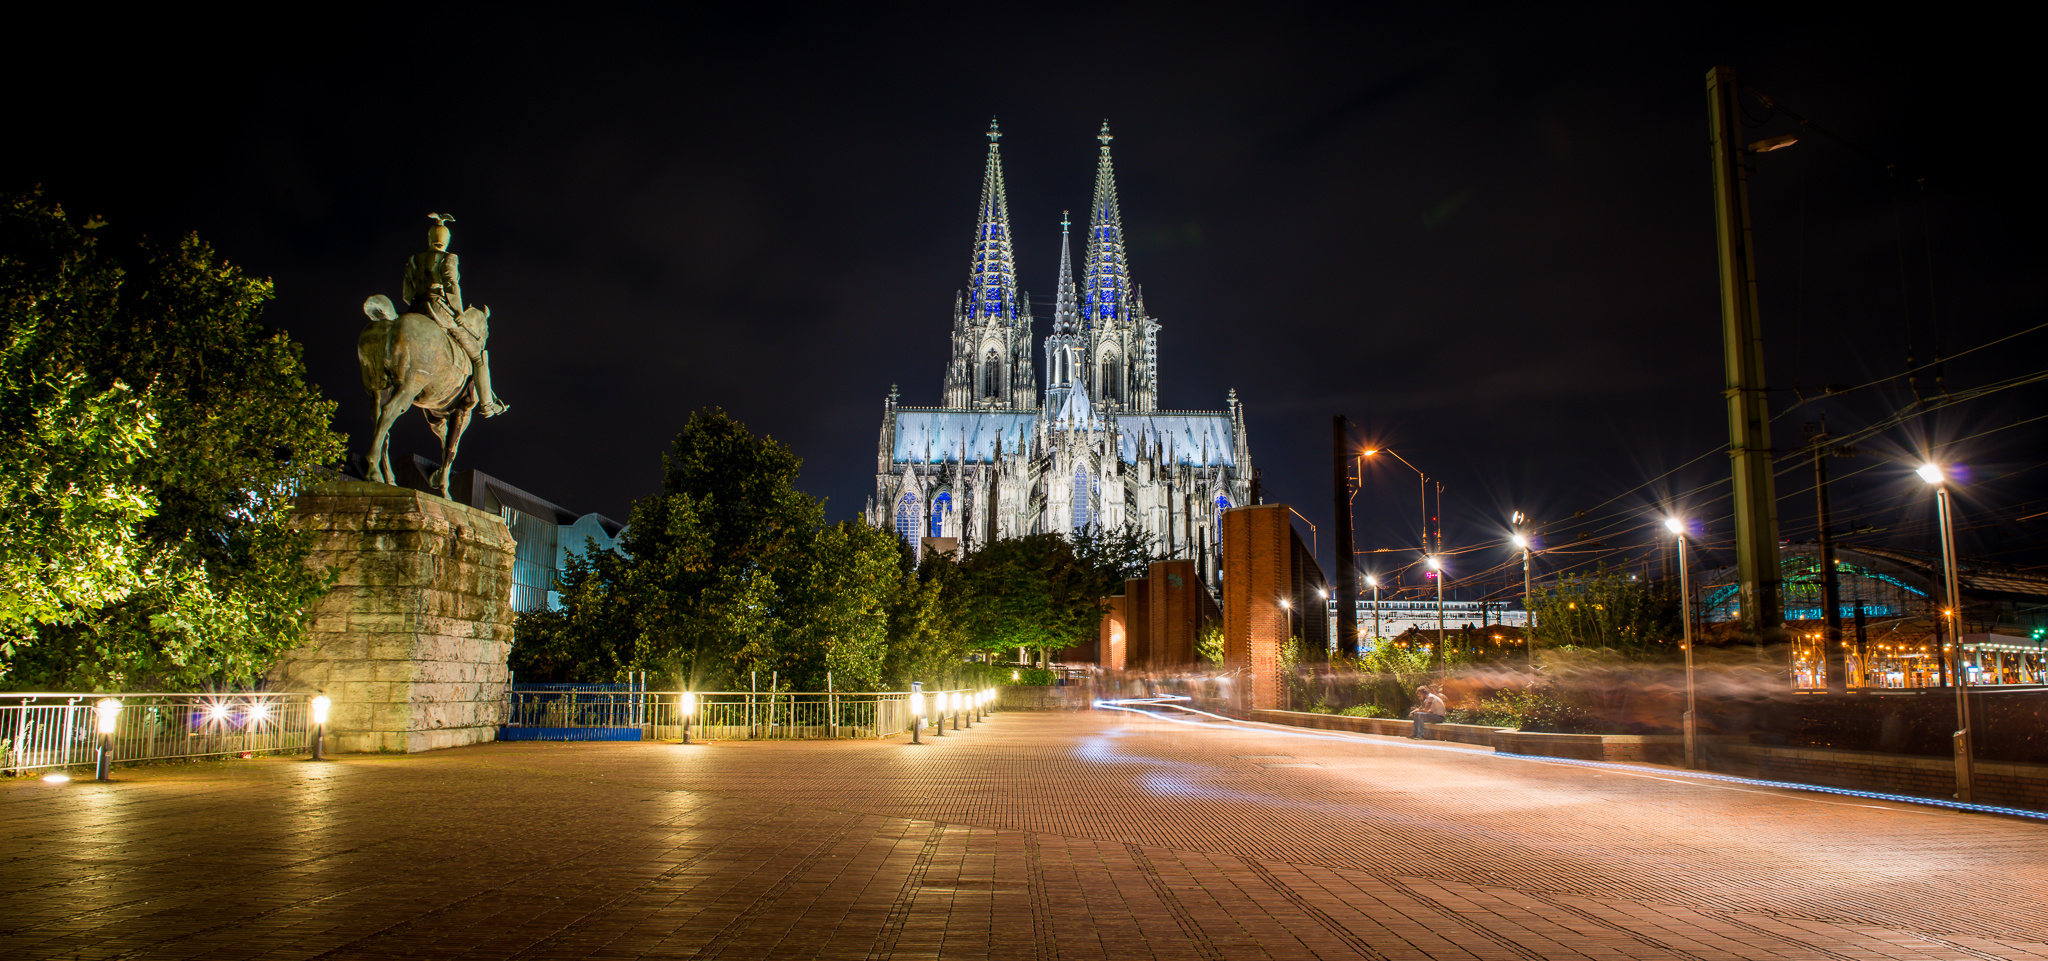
<point x="1033" y="592"/>
<point x="70" y="502"/>
<point x="729" y="569"/>
<point x="237" y="432"/>
<point x="1607" y="609"/>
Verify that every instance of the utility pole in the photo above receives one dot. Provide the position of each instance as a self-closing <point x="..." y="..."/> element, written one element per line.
<point x="1832" y="651"/>
<point x="1347" y="560"/>
<point x="1749" y="423"/>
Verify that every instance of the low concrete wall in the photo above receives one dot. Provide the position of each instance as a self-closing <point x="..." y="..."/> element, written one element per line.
<point x="2008" y="785"/>
<point x="1043" y="697"/>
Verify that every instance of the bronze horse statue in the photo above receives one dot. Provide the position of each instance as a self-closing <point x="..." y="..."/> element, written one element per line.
<point x="409" y="361"/>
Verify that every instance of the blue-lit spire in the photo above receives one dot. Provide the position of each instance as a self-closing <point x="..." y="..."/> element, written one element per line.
<point x="1066" y="313"/>
<point x="1106" y="298"/>
<point x="992" y="280"/>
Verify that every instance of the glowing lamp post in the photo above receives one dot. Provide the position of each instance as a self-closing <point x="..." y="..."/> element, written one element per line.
<point x="687" y="706"/>
<point x="1436" y="573"/>
<point x="320" y="705"/>
<point x="1374" y="582"/>
<point x="939" y="713"/>
<point x="1933" y="474"/>
<point x="966" y="707"/>
<point x="916" y="712"/>
<point x="1691" y="719"/>
<point x="109" y="712"/>
<point x="953" y="702"/>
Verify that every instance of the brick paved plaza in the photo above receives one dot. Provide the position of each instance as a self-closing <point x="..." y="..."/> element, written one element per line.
<point x="1098" y="835"/>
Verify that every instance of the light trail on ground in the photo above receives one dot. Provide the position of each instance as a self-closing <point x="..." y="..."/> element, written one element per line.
<point x="1173" y="702"/>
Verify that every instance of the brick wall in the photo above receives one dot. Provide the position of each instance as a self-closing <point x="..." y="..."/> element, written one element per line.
<point x="1176" y="613"/>
<point x="1138" y="624"/>
<point x="1257" y="573"/>
<point x="1113" y="633"/>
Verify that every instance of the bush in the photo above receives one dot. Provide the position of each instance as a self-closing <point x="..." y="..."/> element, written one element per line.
<point x="1366" y="710"/>
<point x="1537" y="712"/>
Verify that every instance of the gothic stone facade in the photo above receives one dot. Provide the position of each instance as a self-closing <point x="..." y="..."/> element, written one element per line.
<point x="1005" y="458"/>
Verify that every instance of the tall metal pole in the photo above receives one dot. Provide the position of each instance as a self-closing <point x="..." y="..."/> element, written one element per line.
<point x="1692" y="717"/>
<point x="1749" y="424"/>
<point x="1832" y="652"/>
<point x="1347" y="560"/>
<point x="1964" y="775"/>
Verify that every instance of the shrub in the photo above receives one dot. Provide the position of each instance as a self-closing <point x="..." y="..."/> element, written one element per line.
<point x="1366" y="710"/>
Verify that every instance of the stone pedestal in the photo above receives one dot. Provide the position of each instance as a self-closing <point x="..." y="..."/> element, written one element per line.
<point x="411" y="644"/>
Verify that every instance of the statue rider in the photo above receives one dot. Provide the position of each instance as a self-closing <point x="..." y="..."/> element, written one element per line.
<point x="433" y="288"/>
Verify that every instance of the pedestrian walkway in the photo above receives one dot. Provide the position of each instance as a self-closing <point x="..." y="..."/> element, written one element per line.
<point x="1031" y="836"/>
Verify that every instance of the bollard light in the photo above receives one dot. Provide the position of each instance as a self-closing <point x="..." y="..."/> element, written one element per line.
<point x="109" y="711"/>
<point x="688" y="705"/>
<point x="320" y="705"/>
<point x="916" y="712"/>
<point x="939" y="714"/>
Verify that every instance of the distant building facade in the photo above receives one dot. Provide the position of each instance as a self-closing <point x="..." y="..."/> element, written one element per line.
<point x="547" y="535"/>
<point x="1003" y="456"/>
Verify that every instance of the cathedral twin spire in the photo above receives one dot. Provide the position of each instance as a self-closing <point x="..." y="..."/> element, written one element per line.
<point x="1098" y="318"/>
<point x="1105" y="300"/>
<point x="992" y="281"/>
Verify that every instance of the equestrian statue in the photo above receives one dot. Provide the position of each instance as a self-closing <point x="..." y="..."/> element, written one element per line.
<point x="431" y="356"/>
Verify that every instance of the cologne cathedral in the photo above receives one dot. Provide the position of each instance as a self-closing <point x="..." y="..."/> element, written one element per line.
<point x="1006" y="457"/>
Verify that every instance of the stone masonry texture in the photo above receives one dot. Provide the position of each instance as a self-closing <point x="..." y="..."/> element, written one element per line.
<point x="1055" y="836"/>
<point x="1257" y="573"/>
<point x="412" y="641"/>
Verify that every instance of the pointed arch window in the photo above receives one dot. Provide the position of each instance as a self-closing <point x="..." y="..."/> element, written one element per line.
<point x="992" y="375"/>
<point x="1084" y="500"/>
<point x="1111" y="390"/>
<point x="941" y="506"/>
<point x="907" y="518"/>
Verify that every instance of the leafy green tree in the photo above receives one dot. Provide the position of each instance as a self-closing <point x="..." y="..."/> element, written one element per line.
<point x="729" y="569"/>
<point x="1608" y="609"/>
<point x="237" y="431"/>
<point x="70" y="501"/>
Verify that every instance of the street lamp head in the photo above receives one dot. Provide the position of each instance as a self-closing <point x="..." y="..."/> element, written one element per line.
<point x="1371" y="451"/>
<point x="1521" y="542"/>
<point x="1674" y="525"/>
<point x="1930" y="472"/>
<point x="1434" y="563"/>
<point x="1284" y="602"/>
<point x="1371" y="581"/>
<point x="1322" y="593"/>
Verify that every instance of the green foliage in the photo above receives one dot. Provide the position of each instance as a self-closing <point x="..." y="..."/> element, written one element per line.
<point x="1608" y="609"/>
<point x="1209" y="644"/>
<point x="210" y="585"/>
<point x="1034" y="592"/>
<point x="1030" y="677"/>
<point x="1366" y="710"/>
<point x="1535" y="711"/>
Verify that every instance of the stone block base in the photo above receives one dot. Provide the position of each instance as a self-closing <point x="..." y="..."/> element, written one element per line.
<point x="411" y="643"/>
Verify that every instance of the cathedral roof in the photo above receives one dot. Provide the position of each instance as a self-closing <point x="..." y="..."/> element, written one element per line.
<point x="1202" y="438"/>
<point x="937" y="435"/>
<point x="933" y="436"/>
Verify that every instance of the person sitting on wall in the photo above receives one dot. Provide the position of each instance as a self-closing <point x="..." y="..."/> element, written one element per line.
<point x="1430" y="711"/>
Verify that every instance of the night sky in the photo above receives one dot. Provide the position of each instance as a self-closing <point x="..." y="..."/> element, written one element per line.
<point x="1483" y="233"/>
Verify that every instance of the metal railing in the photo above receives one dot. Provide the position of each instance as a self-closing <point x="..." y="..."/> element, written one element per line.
<point x="585" y="712"/>
<point x="45" y="731"/>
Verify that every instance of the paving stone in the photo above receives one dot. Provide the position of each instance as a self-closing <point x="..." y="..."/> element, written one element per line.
<point x="1039" y="836"/>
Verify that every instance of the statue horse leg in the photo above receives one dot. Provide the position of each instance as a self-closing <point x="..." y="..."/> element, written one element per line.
<point x="449" y="430"/>
<point x="391" y="402"/>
